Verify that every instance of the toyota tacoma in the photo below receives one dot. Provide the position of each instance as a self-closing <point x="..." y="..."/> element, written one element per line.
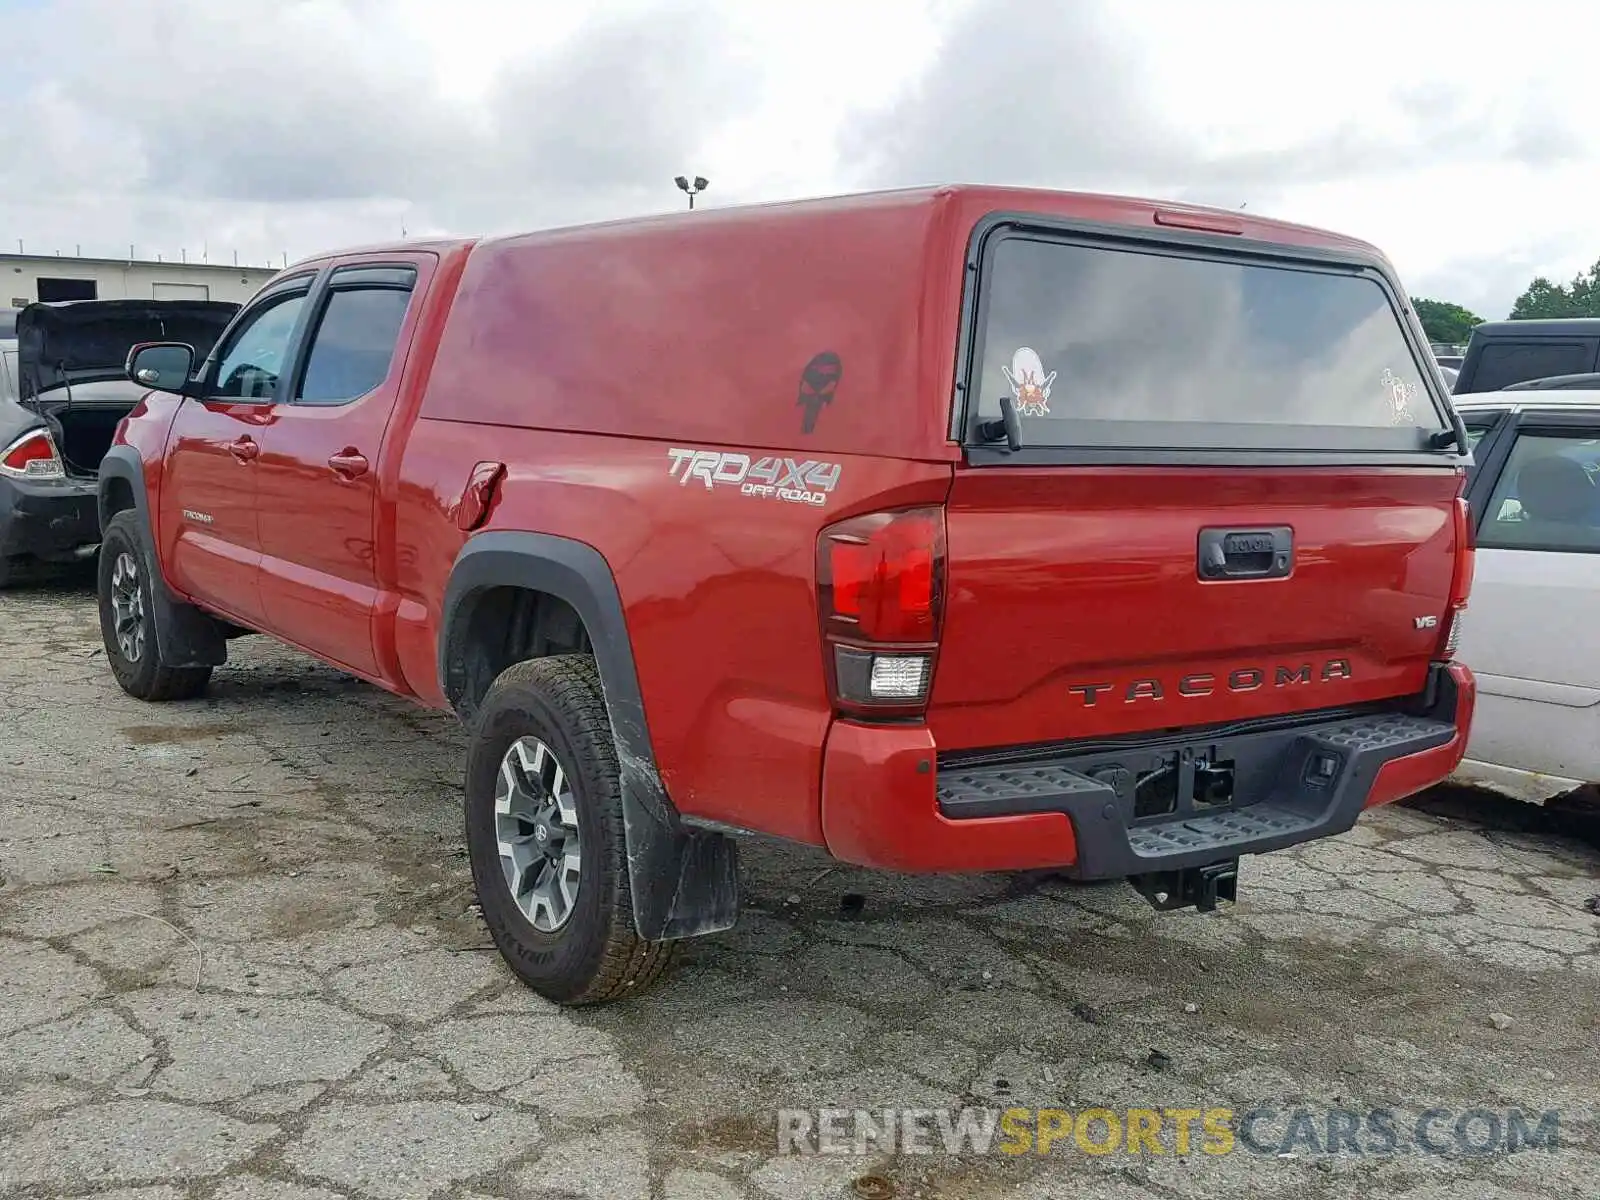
<point x="949" y="530"/>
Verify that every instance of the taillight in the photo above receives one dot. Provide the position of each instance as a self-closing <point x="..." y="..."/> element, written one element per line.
<point x="880" y="580"/>
<point x="1460" y="580"/>
<point x="32" y="456"/>
<point x="1452" y="634"/>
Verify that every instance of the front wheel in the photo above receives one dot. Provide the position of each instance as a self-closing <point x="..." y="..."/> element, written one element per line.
<point x="545" y="835"/>
<point x="127" y="619"/>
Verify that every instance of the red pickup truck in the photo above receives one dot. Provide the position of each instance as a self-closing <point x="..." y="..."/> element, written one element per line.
<point x="960" y="529"/>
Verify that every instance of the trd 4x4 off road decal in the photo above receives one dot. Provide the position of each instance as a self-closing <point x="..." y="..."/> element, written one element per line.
<point x="804" y="482"/>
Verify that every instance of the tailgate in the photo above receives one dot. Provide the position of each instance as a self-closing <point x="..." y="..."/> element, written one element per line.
<point x="1233" y="493"/>
<point x="1078" y="606"/>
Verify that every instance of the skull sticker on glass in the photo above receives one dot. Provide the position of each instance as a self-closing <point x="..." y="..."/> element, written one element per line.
<point x="1401" y="394"/>
<point x="818" y="383"/>
<point x="1029" y="384"/>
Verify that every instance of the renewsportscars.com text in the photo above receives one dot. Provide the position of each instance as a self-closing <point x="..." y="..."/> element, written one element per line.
<point x="1156" y="1131"/>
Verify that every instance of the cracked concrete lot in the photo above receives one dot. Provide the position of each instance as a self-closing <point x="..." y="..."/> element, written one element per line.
<point x="238" y="961"/>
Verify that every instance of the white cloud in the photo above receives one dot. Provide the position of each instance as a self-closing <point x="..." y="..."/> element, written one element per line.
<point x="1452" y="135"/>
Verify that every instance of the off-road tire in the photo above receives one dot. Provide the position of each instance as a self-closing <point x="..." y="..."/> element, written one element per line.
<point x="147" y="678"/>
<point x="596" y="956"/>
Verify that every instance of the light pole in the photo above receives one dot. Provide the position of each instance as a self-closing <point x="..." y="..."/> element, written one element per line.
<point x="693" y="187"/>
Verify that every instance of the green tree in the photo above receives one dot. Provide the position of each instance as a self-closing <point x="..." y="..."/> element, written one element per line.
<point x="1445" y="322"/>
<point x="1580" y="298"/>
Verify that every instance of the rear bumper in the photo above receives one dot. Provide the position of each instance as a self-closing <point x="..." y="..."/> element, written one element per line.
<point x="886" y="801"/>
<point x="48" y="518"/>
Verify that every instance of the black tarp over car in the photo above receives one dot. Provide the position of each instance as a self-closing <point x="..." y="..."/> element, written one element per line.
<point x="71" y="358"/>
<point x="62" y="344"/>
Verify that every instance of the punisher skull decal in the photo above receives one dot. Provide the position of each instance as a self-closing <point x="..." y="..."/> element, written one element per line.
<point x="1029" y="384"/>
<point x="818" y="382"/>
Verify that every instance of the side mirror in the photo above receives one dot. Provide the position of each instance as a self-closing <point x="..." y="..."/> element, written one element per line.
<point x="164" y="366"/>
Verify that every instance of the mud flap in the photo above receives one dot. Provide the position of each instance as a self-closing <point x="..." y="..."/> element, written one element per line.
<point x="685" y="881"/>
<point x="185" y="636"/>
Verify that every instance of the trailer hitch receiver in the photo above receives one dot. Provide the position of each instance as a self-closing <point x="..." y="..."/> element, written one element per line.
<point x="1194" y="887"/>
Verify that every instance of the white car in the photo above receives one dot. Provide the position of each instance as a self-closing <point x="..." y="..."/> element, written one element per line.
<point x="1531" y="632"/>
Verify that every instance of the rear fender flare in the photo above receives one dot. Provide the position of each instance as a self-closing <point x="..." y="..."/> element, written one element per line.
<point x="684" y="880"/>
<point x="185" y="636"/>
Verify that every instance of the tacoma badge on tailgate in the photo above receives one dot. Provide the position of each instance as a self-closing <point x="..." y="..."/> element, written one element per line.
<point x="1205" y="683"/>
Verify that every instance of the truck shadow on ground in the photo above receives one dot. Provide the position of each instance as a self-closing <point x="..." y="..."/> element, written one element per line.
<point x="1573" y="815"/>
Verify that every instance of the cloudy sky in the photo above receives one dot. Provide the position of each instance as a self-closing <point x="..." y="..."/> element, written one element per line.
<point x="1457" y="136"/>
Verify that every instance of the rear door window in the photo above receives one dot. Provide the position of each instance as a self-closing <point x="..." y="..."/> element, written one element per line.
<point x="355" y="339"/>
<point x="1502" y="363"/>
<point x="1548" y="495"/>
<point x="1107" y="346"/>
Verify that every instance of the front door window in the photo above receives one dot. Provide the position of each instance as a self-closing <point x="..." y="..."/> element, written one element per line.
<point x="258" y="353"/>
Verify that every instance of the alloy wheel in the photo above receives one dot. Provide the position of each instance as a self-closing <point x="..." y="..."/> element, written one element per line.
<point x="127" y="607"/>
<point x="536" y="829"/>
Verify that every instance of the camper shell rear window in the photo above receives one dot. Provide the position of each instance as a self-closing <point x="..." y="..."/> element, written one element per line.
<point x="1128" y="345"/>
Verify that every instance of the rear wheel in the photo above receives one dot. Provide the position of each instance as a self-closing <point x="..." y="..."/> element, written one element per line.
<point x="127" y="620"/>
<point x="545" y="835"/>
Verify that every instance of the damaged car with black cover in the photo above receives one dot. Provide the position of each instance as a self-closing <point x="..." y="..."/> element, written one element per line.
<point x="62" y="396"/>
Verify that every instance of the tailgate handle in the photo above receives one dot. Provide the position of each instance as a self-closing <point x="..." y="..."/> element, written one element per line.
<point x="1246" y="553"/>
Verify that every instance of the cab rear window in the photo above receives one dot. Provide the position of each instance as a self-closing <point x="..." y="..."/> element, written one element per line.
<point x="1108" y="346"/>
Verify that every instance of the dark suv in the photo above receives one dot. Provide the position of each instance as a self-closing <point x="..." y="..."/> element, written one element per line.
<point x="1502" y="353"/>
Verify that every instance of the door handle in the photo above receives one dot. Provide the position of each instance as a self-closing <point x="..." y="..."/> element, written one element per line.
<point x="348" y="463"/>
<point x="244" y="449"/>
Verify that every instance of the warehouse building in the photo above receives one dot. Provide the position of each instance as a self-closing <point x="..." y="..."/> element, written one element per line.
<point x="53" y="278"/>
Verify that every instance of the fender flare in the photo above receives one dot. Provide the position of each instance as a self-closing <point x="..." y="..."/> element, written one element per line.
<point x="684" y="879"/>
<point x="123" y="463"/>
<point x="185" y="636"/>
